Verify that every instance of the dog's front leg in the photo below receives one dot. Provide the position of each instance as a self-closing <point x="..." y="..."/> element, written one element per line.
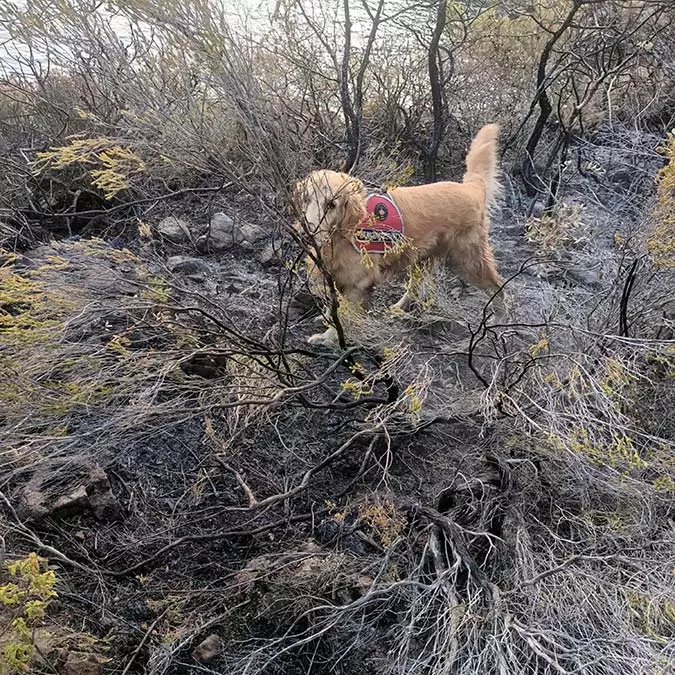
<point x="403" y="305"/>
<point x="330" y="336"/>
<point x="413" y="289"/>
<point x="357" y="296"/>
<point x="316" y="284"/>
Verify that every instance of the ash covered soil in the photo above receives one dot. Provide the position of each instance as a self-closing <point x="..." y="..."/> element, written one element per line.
<point x="459" y="491"/>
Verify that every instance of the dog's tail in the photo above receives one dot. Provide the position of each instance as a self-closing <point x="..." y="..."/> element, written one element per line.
<point x="481" y="162"/>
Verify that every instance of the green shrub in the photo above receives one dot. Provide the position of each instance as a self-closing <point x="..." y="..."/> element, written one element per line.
<point x="26" y="596"/>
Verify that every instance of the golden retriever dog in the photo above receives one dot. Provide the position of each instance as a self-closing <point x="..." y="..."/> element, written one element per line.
<point x="444" y="221"/>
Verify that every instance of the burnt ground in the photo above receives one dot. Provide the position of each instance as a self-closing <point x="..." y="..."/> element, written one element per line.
<point x="447" y="496"/>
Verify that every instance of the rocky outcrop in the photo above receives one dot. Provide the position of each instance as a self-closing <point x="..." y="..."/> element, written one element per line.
<point x="176" y="230"/>
<point x="225" y="232"/>
<point x="182" y="264"/>
<point x="84" y="487"/>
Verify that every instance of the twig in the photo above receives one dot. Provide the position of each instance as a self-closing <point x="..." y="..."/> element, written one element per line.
<point x="143" y="641"/>
<point x="214" y="536"/>
<point x="252" y="501"/>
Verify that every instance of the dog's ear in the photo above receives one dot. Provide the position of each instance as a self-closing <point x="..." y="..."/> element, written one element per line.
<point x="351" y="202"/>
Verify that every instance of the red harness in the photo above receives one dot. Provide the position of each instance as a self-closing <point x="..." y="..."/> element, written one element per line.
<point x="382" y="229"/>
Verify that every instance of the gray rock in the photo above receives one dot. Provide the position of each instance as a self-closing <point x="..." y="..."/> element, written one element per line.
<point x="79" y="663"/>
<point x="181" y="264"/>
<point x="209" y="244"/>
<point x="250" y="234"/>
<point x="222" y="233"/>
<point x="269" y="256"/>
<point x="222" y="228"/>
<point x="174" y="229"/>
<point x="537" y="209"/>
<point x="221" y="223"/>
<point x="86" y="487"/>
<point x="238" y="237"/>
<point x="584" y="277"/>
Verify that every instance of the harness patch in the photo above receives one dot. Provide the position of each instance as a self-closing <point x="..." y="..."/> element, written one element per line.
<point x="382" y="229"/>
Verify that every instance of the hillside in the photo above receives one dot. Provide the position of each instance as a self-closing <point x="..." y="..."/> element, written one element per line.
<point x="455" y="490"/>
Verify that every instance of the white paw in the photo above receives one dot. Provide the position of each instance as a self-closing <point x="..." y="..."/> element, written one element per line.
<point x="328" y="338"/>
<point x="402" y="306"/>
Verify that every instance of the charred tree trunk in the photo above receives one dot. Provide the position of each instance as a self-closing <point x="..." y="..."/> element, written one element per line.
<point x="533" y="183"/>
<point x="561" y="149"/>
<point x="352" y="125"/>
<point x="437" y="95"/>
<point x="353" y="109"/>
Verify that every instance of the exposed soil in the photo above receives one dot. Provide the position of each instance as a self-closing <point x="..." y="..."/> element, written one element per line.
<point x="422" y="518"/>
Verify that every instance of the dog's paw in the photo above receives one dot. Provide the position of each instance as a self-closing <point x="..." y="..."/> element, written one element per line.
<point x="328" y="338"/>
<point x="402" y="306"/>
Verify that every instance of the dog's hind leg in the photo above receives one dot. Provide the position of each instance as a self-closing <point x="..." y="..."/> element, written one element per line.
<point x="477" y="267"/>
<point x="475" y="264"/>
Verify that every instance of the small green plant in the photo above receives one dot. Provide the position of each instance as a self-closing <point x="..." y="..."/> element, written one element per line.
<point x="419" y="286"/>
<point x="619" y="452"/>
<point x="109" y="164"/>
<point x="400" y="248"/>
<point x="401" y="175"/>
<point x="617" y="382"/>
<point x="552" y="232"/>
<point x="654" y="617"/>
<point x="366" y="259"/>
<point x="157" y="290"/>
<point x="29" y="313"/>
<point x="661" y="235"/>
<point x="356" y="388"/>
<point x="665" y="484"/>
<point x="383" y="519"/>
<point x="26" y="597"/>
<point x="539" y="347"/>
<point x="414" y="394"/>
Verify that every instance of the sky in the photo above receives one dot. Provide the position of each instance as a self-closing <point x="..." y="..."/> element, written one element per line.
<point x="14" y="52"/>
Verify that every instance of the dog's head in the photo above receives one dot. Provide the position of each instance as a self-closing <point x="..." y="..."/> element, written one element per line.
<point x="329" y="203"/>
